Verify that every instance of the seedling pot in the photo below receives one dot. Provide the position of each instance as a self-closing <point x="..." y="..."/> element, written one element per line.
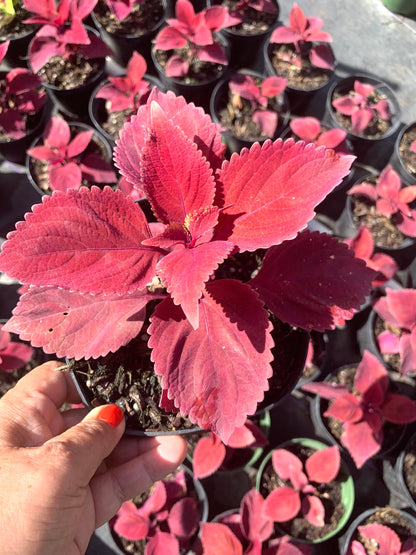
<point x="404" y="464"/>
<point x="344" y="477"/>
<point x="402" y="143"/>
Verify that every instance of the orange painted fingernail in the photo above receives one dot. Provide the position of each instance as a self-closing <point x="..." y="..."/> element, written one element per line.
<point x="112" y="414"/>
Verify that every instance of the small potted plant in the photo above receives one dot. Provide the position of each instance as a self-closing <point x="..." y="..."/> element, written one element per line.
<point x="247" y="528"/>
<point x="386" y="206"/>
<point x="68" y="156"/>
<point x="359" y="401"/>
<point x="189" y="55"/>
<point x="250" y="107"/>
<point x="129" y="26"/>
<point x="300" y="52"/>
<point x="253" y="22"/>
<point x="311" y="130"/>
<point x="117" y="98"/>
<point x="23" y="110"/>
<point x="68" y="55"/>
<point x="225" y="232"/>
<point x="308" y="489"/>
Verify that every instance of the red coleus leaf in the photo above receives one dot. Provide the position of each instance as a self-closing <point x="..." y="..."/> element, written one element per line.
<point x="254" y="525"/>
<point x="41" y="50"/>
<point x="208" y="456"/>
<point x="13" y="355"/>
<point x="77" y="325"/>
<point x="4" y="46"/>
<point x="214" y="53"/>
<point x="361" y="441"/>
<point x="322" y="56"/>
<point x="93" y="250"/>
<point x="285" y="463"/>
<point x="130" y="524"/>
<point x="346" y="408"/>
<point x="169" y="38"/>
<point x="218" y="539"/>
<point x="216" y="383"/>
<point x="282" y="504"/>
<point x="97" y="170"/>
<point x="385" y="538"/>
<point x="323" y="465"/>
<point x="184" y="517"/>
<point x="398" y="307"/>
<point x="176" y="67"/>
<point x="264" y="195"/>
<point x="248" y="435"/>
<point x="64" y="178"/>
<point x="408" y="352"/>
<point x="266" y="121"/>
<point x="325" y="389"/>
<point x="307" y="128"/>
<point x="399" y="409"/>
<point x="79" y="143"/>
<point x="335" y="278"/>
<point x="313" y="510"/>
<point x="371" y="379"/>
<point x="13" y="123"/>
<point x="162" y="542"/>
<point x="193" y="122"/>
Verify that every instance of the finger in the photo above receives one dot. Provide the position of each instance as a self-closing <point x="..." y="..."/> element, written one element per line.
<point x="29" y="412"/>
<point x="136" y="475"/>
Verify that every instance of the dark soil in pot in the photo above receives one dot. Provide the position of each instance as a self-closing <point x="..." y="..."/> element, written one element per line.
<point x="330" y="494"/>
<point x="407" y="156"/>
<point x="19" y="34"/>
<point x="143" y="17"/>
<point x="71" y="73"/>
<point x="255" y="22"/>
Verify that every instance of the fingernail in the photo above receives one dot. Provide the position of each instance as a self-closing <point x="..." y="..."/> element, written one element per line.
<point x="112" y="414"/>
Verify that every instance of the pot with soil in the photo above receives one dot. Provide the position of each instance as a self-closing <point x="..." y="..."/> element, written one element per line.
<point x="322" y="505"/>
<point x="246" y="37"/>
<point x="168" y="515"/>
<point x="370" y="201"/>
<point x="392" y="530"/>
<point x="132" y="31"/>
<point x="367" y="109"/>
<point x="69" y="156"/>
<point x="13" y="29"/>
<point x="405" y="471"/>
<point x="403" y="158"/>
<point x="250" y="108"/>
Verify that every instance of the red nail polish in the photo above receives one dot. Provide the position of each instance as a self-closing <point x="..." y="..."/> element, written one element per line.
<point x="112" y="414"/>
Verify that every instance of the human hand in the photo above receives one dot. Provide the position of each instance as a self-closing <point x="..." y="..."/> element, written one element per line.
<point x="62" y="477"/>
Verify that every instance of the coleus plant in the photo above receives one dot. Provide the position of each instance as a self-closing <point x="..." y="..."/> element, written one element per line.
<point x="398" y="309"/>
<point x="21" y="96"/>
<point x="195" y="34"/>
<point x="248" y="531"/>
<point x="243" y="7"/>
<point x="13" y="355"/>
<point x="364" y="407"/>
<point x="210" y="336"/>
<point x="129" y="91"/>
<point x="363" y="105"/>
<point x="383" y="541"/>
<point x="62" y="31"/>
<point x="308" y="39"/>
<point x="309" y="129"/>
<point x="363" y="246"/>
<point x="68" y="161"/>
<point x="122" y="8"/>
<point x="210" y="453"/>
<point x="258" y="95"/>
<point x="391" y="198"/>
<point x="301" y="495"/>
<point x="168" y="519"/>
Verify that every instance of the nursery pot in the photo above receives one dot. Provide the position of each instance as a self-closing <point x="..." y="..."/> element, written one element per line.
<point x="402" y="159"/>
<point x="403" y="7"/>
<point x="74" y="102"/>
<point x="344" y="478"/>
<point x="404" y="522"/>
<point x="97" y="107"/>
<point x="124" y="44"/>
<point x="405" y="469"/>
<point x="219" y="101"/>
<point x="43" y="187"/>
<point x="16" y="55"/>
<point x="197" y="92"/>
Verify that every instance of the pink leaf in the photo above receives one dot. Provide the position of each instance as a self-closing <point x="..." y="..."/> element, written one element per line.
<point x="185" y="271"/>
<point x="322" y="56"/>
<point x="184" y="517"/>
<point x="97" y="170"/>
<point x="408" y="353"/>
<point x="359" y="439"/>
<point x="266" y="121"/>
<point x="264" y="194"/>
<point x="346" y="408"/>
<point x="156" y="502"/>
<point x="169" y="38"/>
<point x="285" y="462"/>
<point x="325" y="389"/>
<point x="362" y="243"/>
<point x="323" y="465"/>
<point x="364" y="189"/>
<point x="332" y="138"/>
<point x="218" y="539"/>
<point x="335" y="278"/>
<point x="176" y="67"/>
<point x="387" y="540"/>
<point x="57" y="133"/>
<point x="248" y="435"/>
<point x="162" y="542"/>
<point x="282" y="504"/>
<point x="130" y="524"/>
<point x="388" y="342"/>
<point x="208" y="456"/>
<point x="91" y="250"/>
<point x="254" y="525"/>
<point x="14" y="356"/>
<point x="79" y="143"/>
<point x="213" y="53"/>
<point x="398" y="307"/>
<point x="371" y="378"/>
<point x="361" y="119"/>
<point x="307" y="128"/>
<point x="313" y="510"/>
<point x="64" y="178"/>
<point x="77" y="325"/>
<point x="399" y="409"/>
<point x="218" y="383"/>
<point x="41" y="50"/>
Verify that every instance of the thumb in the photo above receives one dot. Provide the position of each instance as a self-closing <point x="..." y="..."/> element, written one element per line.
<point x="83" y="447"/>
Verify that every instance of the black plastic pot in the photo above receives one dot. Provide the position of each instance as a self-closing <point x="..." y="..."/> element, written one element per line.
<point x="198" y="93"/>
<point x="399" y="467"/>
<point x="73" y="125"/>
<point x="16" y="55"/>
<point x="366" y="147"/>
<point x="396" y="160"/>
<point x="98" y="112"/>
<point x="123" y="45"/>
<point x="219" y="100"/>
<point x="74" y="102"/>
